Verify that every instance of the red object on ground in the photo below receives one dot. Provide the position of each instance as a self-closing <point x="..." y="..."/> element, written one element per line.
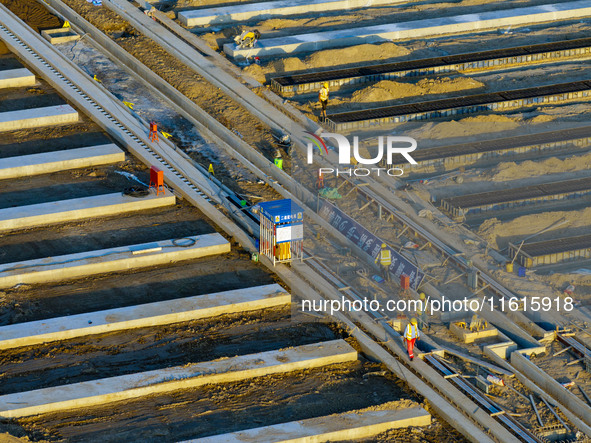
<point x="405" y="281"/>
<point x="410" y="346"/>
<point x="153" y="132"/>
<point x="157" y="179"/>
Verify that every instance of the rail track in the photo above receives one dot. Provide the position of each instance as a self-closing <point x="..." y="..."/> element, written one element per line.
<point x="98" y="347"/>
<point x="450" y="252"/>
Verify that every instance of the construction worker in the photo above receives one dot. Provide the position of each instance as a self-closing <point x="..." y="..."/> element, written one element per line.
<point x="412" y="333"/>
<point x="385" y="258"/>
<point x="278" y="160"/>
<point x="421" y="310"/>
<point x="247" y="39"/>
<point x="323" y="99"/>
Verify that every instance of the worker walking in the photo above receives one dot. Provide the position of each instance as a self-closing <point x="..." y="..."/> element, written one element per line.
<point x="385" y="259"/>
<point x="412" y="333"/>
<point x="278" y="160"/>
<point x="323" y="99"/>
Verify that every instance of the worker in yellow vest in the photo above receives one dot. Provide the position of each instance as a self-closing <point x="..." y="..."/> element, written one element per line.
<point x="385" y="259"/>
<point x="412" y="333"/>
<point x="323" y="99"/>
<point x="278" y="160"/>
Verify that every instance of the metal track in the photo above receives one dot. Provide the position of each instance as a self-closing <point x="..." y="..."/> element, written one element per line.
<point x="551" y="140"/>
<point x="492" y="408"/>
<point x="171" y="169"/>
<point x="441" y="245"/>
<point x="476" y="61"/>
<point x="468" y="104"/>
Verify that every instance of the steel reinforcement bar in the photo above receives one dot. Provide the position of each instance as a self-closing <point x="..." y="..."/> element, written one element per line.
<point x="469" y="104"/>
<point x="488" y="405"/>
<point x="248" y="156"/>
<point x="306" y="82"/>
<point x="467" y="153"/>
<point x="466" y="424"/>
<point x="552" y="251"/>
<point x="496" y="200"/>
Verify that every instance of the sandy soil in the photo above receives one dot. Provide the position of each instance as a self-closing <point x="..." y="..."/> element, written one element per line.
<point x="226" y="408"/>
<point x="564" y="223"/>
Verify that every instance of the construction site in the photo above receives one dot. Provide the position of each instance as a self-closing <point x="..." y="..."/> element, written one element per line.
<point x="312" y="221"/>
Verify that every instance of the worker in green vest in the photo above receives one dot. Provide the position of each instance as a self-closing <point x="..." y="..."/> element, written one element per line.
<point x="278" y="160"/>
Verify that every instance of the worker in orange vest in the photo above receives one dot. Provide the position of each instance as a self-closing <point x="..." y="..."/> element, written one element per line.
<point x="412" y="333"/>
<point x="385" y="258"/>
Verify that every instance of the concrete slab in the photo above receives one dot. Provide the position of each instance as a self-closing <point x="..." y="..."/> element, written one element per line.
<point x="337" y="427"/>
<point x="16" y="78"/>
<point x="122" y="258"/>
<point x="62" y="211"/>
<point x="37" y="117"/>
<point x="45" y="163"/>
<point x="266" y="10"/>
<point x="60" y="35"/>
<point x="415" y="29"/>
<point x="107" y="390"/>
<point x="150" y="314"/>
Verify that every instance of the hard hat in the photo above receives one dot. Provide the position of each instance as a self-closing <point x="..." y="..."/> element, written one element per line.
<point x="422" y="295"/>
<point x="278" y="154"/>
<point x="413" y="321"/>
<point x="383" y="245"/>
<point x="325" y="84"/>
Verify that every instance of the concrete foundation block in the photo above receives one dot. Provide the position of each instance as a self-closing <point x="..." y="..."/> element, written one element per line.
<point x="266" y="10"/>
<point x="62" y="211"/>
<point x="48" y="162"/>
<point x="225" y="370"/>
<point x="150" y="314"/>
<point x="60" y="35"/>
<point x="37" y="117"/>
<point x="412" y="30"/>
<point x="16" y="78"/>
<point x="103" y="261"/>
<point x="469" y="336"/>
<point x="350" y="426"/>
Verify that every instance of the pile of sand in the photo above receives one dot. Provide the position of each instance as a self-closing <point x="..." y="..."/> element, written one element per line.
<point x="354" y="55"/>
<point x="469" y="126"/>
<point x="387" y="90"/>
<point x="511" y="170"/>
<point x="498" y="233"/>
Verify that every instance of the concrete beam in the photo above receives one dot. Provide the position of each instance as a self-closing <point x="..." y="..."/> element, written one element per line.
<point x="266" y="10"/>
<point x="552" y="387"/>
<point x="415" y="29"/>
<point x="122" y="258"/>
<point x="16" y="78"/>
<point x="37" y="117"/>
<point x="336" y="427"/>
<point x="145" y="315"/>
<point x="225" y="370"/>
<point x="62" y="211"/>
<point x="45" y="163"/>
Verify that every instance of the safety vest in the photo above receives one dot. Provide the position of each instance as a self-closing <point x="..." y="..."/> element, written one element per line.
<point x="385" y="257"/>
<point x="249" y="35"/>
<point x="411" y="332"/>
<point x="323" y="94"/>
<point x="279" y="162"/>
